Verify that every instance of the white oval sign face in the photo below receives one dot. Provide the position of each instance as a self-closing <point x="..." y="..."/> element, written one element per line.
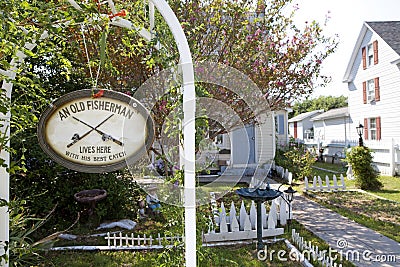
<point x="86" y="134"/>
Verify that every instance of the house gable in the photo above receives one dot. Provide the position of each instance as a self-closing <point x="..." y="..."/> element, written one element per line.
<point x="387" y="32"/>
<point x="332" y="125"/>
<point x="373" y="91"/>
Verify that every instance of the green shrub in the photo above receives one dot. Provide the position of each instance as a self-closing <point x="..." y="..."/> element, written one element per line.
<point x="42" y="184"/>
<point x="23" y="251"/>
<point x="296" y="158"/>
<point x="360" y="159"/>
<point x="43" y="192"/>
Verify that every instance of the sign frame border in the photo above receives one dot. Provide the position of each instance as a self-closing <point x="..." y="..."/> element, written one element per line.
<point x="84" y="93"/>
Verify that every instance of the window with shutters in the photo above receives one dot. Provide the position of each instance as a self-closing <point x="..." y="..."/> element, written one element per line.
<point x="372" y="128"/>
<point x="370" y="55"/>
<point x="370" y="90"/>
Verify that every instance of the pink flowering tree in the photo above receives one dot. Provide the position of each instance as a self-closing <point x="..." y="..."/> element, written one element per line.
<point x="260" y="39"/>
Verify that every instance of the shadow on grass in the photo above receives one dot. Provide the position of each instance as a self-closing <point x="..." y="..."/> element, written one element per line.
<point x="386" y="191"/>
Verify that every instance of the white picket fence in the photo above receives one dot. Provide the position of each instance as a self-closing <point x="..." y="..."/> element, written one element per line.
<point x="284" y="174"/>
<point x="243" y="226"/>
<point x="318" y="185"/>
<point x="119" y="241"/>
<point x="386" y="153"/>
<point x="144" y="242"/>
<point x="312" y="251"/>
<point x="256" y="182"/>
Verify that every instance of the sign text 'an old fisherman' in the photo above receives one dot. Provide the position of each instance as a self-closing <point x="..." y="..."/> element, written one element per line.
<point x="87" y="134"/>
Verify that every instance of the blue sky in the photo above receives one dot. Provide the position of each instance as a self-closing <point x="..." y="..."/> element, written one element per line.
<point x="346" y="19"/>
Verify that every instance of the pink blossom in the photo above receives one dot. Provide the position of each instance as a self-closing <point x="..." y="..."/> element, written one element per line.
<point x="162" y="105"/>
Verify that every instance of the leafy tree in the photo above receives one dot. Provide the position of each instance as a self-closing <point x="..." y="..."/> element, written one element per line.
<point x="323" y="102"/>
<point x="282" y="59"/>
<point x="255" y="38"/>
<point x="260" y="41"/>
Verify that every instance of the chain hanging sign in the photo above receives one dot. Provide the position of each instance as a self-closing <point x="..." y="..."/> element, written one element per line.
<point x="84" y="132"/>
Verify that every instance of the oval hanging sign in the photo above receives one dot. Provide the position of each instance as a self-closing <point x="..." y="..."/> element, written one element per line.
<point x="85" y="132"/>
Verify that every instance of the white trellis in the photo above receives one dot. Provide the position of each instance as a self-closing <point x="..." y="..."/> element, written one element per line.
<point x="235" y="226"/>
<point x="189" y="108"/>
<point x="319" y="185"/>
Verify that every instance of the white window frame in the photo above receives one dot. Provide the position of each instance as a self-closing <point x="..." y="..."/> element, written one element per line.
<point x="370" y="55"/>
<point x="372" y="129"/>
<point x="370" y="90"/>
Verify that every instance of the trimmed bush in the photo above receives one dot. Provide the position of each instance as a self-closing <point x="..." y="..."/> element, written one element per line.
<point x="360" y="159"/>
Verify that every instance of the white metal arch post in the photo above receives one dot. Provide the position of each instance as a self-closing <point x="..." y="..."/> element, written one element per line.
<point x="189" y="108"/>
<point x="4" y="154"/>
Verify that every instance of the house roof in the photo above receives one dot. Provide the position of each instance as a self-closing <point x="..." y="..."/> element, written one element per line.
<point x="305" y="115"/>
<point x="332" y="114"/>
<point x="389" y="31"/>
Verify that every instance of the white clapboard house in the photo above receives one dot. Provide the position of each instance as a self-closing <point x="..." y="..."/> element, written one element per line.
<point x="253" y="147"/>
<point x="373" y="79"/>
<point x="301" y="126"/>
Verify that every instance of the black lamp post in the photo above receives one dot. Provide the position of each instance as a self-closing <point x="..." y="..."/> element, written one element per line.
<point x="360" y="129"/>
<point x="289" y="197"/>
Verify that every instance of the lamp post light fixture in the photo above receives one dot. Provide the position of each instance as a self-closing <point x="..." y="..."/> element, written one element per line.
<point x="360" y="129"/>
<point x="289" y="197"/>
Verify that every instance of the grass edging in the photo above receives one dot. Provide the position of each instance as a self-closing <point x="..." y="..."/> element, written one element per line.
<point x="315" y="241"/>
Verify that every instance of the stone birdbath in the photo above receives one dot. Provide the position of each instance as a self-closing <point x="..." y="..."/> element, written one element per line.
<point x="90" y="198"/>
<point x="259" y="196"/>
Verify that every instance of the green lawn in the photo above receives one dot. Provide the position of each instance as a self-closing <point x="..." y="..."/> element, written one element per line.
<point x="390" y="190"/>
<point x="340" y="168"/>
<point x="391" y="187"/>
<point x="238" y="255"/>
<point x="244" y="255"/>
